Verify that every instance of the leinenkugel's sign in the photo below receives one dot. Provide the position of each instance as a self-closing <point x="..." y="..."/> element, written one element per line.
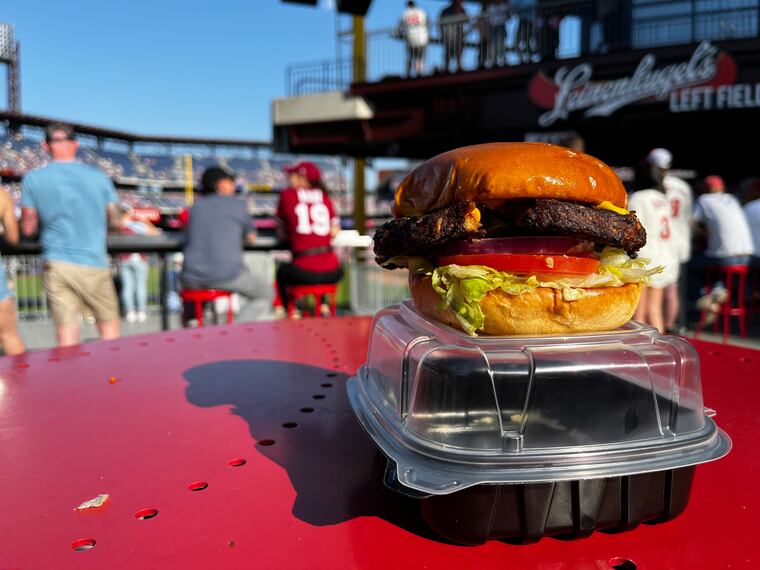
<point x="705" y="82"/>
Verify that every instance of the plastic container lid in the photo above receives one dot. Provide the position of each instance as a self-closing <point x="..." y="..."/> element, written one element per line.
<point x="454" y="411"/>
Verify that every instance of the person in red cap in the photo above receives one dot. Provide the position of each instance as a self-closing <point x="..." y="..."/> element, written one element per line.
<point x="307" y="222"/>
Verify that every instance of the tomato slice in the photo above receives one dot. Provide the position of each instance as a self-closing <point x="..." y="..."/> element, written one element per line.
<point x="526" y="263"/>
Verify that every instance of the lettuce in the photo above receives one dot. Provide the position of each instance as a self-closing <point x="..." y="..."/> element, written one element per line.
<point x="462" y="286"/>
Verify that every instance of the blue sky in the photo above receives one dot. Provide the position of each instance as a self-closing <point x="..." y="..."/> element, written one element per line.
<point x="179" y="67"/>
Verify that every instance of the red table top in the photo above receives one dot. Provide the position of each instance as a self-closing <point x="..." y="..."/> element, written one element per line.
<point x="185" y="403"/>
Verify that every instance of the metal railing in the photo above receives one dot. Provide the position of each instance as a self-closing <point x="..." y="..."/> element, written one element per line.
<point x="318" y="77"/>
<point x="372" y="287"/>
<point x="369" y="288"/>
<point x="25" y="277"/>
<point x="558" y="30"/>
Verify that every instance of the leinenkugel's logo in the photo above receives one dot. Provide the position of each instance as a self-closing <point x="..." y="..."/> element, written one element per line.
<point x="573" y="90"/>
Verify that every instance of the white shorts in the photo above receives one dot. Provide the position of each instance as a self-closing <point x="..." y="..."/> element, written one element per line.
<point x="672" y="268"/>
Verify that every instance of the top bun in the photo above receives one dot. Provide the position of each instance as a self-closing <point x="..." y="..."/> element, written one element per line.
<point x="499" y="171"/>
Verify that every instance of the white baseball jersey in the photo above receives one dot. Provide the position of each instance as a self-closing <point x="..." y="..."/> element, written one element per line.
<point x="414" y="27"/>
<point x="681" y="203"/>
<point x="728" y="232"/>
<point x="653" y="210"/>
<point x="752" y="213"/>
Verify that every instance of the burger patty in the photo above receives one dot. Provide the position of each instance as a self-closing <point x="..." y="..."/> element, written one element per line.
<point x="403" y="236"/>
<point x="418" y="236"/>
<point x="583" y="222"/>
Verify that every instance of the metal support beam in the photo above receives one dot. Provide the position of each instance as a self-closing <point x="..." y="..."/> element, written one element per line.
<point x="14" y="82"/>
<point x="359" y="217"/>
<point x="360" y="50"/>
<point x="359" y="76"/>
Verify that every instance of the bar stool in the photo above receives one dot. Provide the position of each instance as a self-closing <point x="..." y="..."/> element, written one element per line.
<point x="296" y="292"/>
<point x="735" y="276"/>
<point x="198" y="297"/>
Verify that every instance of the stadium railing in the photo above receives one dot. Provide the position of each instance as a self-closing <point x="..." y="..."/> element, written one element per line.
<point x="366" y="287"/>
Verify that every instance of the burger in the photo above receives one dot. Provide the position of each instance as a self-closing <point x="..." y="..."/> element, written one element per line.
<point x="517" y="239"/>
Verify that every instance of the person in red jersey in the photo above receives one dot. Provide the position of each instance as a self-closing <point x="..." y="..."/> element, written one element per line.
<point x="307" y="222"/>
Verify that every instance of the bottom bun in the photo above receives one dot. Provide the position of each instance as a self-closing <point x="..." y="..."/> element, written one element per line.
<point x="542" y="311"/>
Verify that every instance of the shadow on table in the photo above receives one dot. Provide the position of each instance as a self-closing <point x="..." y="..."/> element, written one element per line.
<point x="300" y="417"/>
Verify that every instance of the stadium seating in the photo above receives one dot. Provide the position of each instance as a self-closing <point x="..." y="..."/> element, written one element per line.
<point x="19" y="155"/>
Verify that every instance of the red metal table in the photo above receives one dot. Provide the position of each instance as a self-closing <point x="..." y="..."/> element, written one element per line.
<point x="143" y="418"/>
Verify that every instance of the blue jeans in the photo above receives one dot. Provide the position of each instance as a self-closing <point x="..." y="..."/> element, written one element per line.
<point x="5" y="291"/>
<point x="134" y="284"/>
<point x="728" y="260"/>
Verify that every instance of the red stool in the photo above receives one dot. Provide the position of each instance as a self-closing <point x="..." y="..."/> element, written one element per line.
<point x="296" y="292"/>
<point x="200" y="296"/>
<point x="735" y="277"/>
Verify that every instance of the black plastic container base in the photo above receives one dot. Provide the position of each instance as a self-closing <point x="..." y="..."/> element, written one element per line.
<point x="566" y="509"/>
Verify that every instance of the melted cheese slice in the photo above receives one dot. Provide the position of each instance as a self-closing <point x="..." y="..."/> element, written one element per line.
<point x="607" y="205"/>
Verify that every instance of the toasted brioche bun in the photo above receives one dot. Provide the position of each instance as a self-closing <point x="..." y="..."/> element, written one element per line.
<point x="503" y="171"/>
<point x="542" y="311"/>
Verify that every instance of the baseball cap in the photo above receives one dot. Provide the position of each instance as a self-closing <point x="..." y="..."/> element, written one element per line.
<point x="214" y="174"/>
<point x="305" y="168"/>
<point x="715" y="183"/>
<point x="660" y="157"/>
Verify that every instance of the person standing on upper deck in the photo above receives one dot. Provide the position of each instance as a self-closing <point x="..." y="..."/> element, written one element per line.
<point x="71" y="204"/>
<point x="452" y="23"/>
<point x="414" y="30"/>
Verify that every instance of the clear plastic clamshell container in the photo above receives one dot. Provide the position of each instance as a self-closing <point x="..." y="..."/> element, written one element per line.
<point x="454" y="411"/>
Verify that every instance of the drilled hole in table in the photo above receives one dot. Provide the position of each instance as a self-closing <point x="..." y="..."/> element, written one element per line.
<point x="142" y="343"/>
<point x="307" y="410"/>
<point x="237" y="462"/>
<point x="331" y="375"/>
<point x="290" y="425"/>
<point x="114" y="349"/>
<point x="714" y="353"/>
<point x="622" y="564"/>
<point x="248" y="329"/>
<point x="197" y="486"/>
<point x="318" y="396"/>
<point x="145" y="514"/>
<point x="266" y="442"/>
<point x="326" y="385"/>
<point x="83" y="544"/>
<point x="197" y="336"/>
<point x="169" y="340"/>
<point x="745" y="360"/>
<point x="223" y="333"/>
<point x="53" y="359"/>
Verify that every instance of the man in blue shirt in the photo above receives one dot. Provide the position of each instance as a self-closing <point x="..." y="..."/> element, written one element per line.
<point x="72" y="203"/>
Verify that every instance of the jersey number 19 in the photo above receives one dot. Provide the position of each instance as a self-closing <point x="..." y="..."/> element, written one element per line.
<point x="313" y="219"/>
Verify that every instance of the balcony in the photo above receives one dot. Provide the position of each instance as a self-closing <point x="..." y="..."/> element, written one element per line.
<point x="557" y="30"/>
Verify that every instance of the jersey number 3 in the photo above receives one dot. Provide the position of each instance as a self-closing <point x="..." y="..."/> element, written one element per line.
<point x="664" y="228"/>
<point x="313" y="219"/>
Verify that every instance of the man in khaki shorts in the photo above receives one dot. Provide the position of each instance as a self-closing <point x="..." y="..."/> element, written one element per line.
<point x="71" y="204"/>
